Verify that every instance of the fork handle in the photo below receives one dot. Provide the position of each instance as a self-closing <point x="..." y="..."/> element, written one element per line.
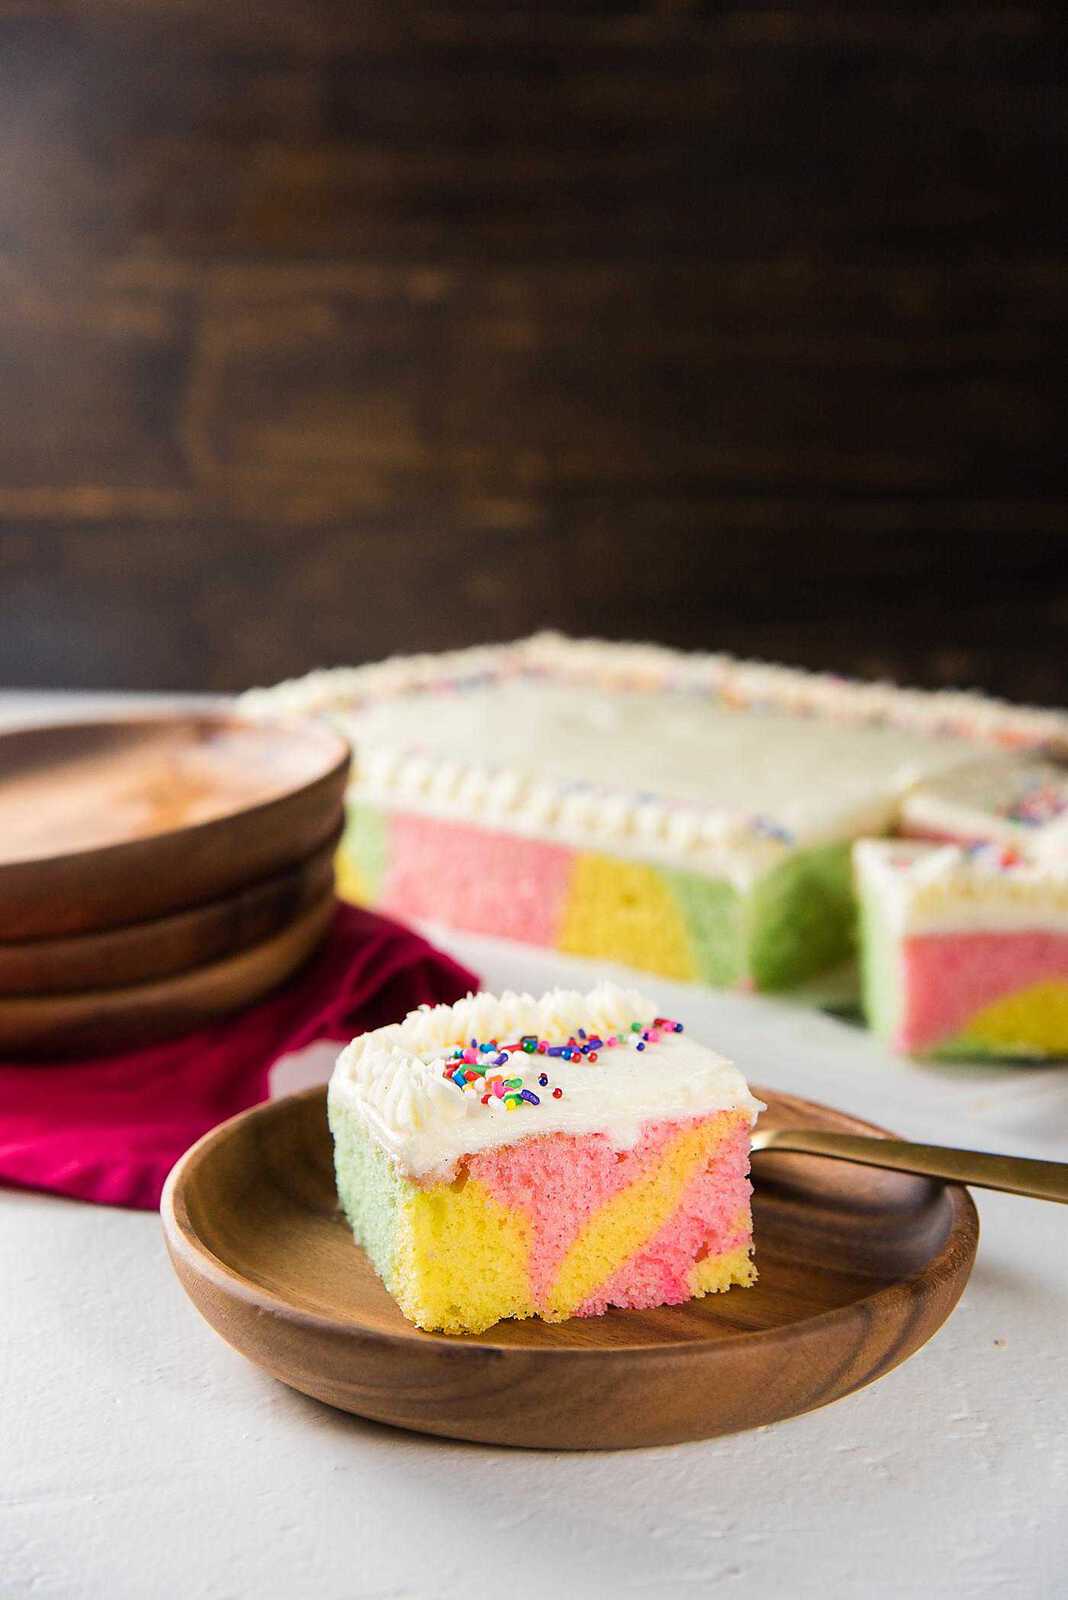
<point x="1042" y="1180"/>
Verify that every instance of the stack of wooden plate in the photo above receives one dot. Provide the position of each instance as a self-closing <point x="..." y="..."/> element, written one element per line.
<point x="158" y="873"/>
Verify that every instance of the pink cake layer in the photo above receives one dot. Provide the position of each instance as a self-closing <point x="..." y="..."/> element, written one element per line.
<point x="435" y="864"/>
<point x="949" y="977"/>
<point x="584" y="1174"/>
<point x="712" y="1219"/>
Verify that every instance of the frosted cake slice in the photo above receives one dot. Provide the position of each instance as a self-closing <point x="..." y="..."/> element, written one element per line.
<point x="515" y="1157"/>
<point x="964" y="951"/>
<point x="691" y="815"/>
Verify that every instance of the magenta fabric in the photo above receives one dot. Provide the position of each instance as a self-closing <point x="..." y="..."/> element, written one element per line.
<point x="109" y="1129"/>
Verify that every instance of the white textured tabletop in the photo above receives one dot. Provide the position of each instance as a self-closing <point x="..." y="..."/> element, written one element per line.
<point x="140" y="1457"/>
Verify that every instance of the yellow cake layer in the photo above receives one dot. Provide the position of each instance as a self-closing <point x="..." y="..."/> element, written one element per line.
<point x="619" y="1228"/>
<point x="1033" y="1019"/>
<point x="461" y="1259"/>
<point x="348" y="879"/>
<point x="717" y="1273"/>
<point x="623" y="911"/>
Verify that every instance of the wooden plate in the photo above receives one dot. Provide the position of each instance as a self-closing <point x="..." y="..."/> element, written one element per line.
<point x="108" y="823"/>
<point x="857" y="1269"/>
<point x="144" y="951"/>
<point x="114" y="1019"/>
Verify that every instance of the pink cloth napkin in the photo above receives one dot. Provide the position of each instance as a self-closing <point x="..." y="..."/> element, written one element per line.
<point x="110" y="1128"/>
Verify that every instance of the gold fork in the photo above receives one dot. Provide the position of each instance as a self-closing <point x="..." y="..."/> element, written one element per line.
<point x="1042" y="1180"/>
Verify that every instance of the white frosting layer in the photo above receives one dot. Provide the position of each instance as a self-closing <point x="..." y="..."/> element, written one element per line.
<point x="758" y="684"/>
<point x="692" y="763"/>
<point x="1022" y="803"/>
<point x="929" y="889"/>
<point x="712" y="763"/>
<point x="392" y="1078"/>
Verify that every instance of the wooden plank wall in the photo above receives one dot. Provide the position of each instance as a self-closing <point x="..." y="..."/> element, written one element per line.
<point x="328" y="329"/>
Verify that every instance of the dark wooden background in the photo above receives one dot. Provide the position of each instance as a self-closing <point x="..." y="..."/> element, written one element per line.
<point x="329" y="329"/>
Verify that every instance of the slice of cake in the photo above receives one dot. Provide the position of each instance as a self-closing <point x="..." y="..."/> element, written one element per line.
<point x="964" y="951"/>
<point x="516" y="1158"/>
<point x="691" y="815"/>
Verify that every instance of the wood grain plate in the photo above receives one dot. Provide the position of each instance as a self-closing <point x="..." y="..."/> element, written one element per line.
<point x="144" y="951"/>
<point x="112" y="822"/>
<point x="858" y="1268"/>
<point x="64" y="1025"/>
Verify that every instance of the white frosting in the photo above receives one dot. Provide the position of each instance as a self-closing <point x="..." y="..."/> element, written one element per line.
<point x="990" y="800"/>
<point x="712" y="763"/>
<point x="694" y="771"/>
<point x="927" y="889"/>
<point x="392" y="1078"/>
<point x="973" y="717"/>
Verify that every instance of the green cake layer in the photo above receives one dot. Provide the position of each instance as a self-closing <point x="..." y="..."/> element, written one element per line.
<point x="370" y="1188"/>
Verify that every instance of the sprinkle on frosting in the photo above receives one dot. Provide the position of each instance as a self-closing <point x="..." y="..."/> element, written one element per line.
<point x="1039" y="803"/>
<point x="1022" y="804"/>
<point x="466" y="1067"/>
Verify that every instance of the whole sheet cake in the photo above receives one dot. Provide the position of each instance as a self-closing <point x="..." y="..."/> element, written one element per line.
<point x="690" y="815"/>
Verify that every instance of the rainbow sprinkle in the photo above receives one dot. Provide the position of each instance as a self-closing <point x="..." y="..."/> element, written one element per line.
<point x="471" y="1066"/>
<point x="1041" y="802"/>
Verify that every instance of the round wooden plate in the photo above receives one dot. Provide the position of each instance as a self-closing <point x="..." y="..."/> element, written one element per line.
<point x="144" y="951"/>
<point x="108" y="823"/>
<point x="102" y="1020"/>
<point x="857" y="1269"/>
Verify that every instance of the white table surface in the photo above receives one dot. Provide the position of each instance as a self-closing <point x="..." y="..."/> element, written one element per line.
<point x="140" y="1457"/>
